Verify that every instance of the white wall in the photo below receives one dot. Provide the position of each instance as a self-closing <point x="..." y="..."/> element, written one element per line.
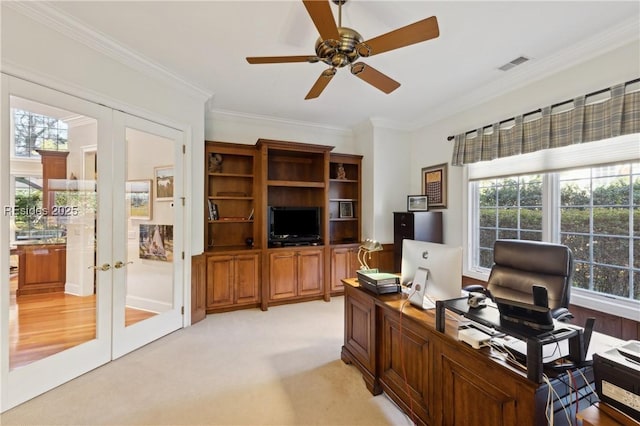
<point x="391" y="174"/>
<point x="35" y="52"/>
<point x="430" y="145"/>
<point x="245" y="129"/>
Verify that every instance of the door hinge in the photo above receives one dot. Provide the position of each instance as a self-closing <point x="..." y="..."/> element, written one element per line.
<point x="183" y="200"/>
<point x="182" y="310"/>
<point x="184" y="149"/>
<point x="182" y="255"/>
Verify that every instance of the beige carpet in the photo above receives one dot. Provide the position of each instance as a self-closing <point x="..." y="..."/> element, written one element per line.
<point x="280" y="367"/>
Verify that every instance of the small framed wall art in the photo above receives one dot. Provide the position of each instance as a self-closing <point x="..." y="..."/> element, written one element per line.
<point x="434" y="185"/>
<point x="417" y="203"/>
<point x="139" y="199"/>
<point x="164" y="183"/>
<point x="346" y="209"/>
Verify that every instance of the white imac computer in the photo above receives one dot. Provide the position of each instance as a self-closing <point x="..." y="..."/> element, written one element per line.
<point x="443" y="265"/>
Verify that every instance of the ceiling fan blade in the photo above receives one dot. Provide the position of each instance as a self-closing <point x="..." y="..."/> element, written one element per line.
<point x="322" y="17"/>
<point x="321" y="83"/>
<point x="413" y="33"/>
<point x="374" y="77"/>
<point x="280" y="59"/>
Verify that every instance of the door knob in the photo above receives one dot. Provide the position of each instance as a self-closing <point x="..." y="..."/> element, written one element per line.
<point x="120" y="264"/>
<point x="104" y="267"/>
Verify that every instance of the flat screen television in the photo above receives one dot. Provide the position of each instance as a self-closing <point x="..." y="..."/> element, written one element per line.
<point x="294" y="224"/>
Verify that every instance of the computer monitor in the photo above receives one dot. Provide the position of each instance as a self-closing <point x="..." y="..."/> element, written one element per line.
<point x="444" y="262"/>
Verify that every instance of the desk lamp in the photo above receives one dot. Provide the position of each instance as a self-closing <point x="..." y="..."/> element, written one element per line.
<point x="366" y="248"/>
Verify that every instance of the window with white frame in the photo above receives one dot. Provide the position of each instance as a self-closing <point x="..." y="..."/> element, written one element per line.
<point x="594" y="210"/>
<point x="34" y="131"/>
<point x="599" y="216"/>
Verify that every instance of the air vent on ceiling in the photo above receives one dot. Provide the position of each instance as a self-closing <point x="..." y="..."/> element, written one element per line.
<point x="517" y="61"/>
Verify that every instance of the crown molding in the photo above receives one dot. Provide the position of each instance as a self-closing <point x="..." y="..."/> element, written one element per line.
<point x="623" y="33"/>
<point x="61" y="22"/>
<point x="385" y="123"/>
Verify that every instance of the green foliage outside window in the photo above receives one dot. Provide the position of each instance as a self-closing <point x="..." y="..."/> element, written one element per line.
<point x="598" y="223"/>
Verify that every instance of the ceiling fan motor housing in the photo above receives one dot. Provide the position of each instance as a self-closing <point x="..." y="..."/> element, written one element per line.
<point x="340" y="53"/>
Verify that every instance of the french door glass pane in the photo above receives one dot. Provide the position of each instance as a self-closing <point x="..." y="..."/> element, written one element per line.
<point x="53" y="225"/>
<point x="150" y="221"/>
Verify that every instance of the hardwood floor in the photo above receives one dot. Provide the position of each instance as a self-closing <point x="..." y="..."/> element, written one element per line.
<point x="41" y="325"/>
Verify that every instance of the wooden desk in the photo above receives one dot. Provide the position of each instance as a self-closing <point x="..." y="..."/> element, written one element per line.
<point x="434" y="376"/>
<point x="601" y="414"/>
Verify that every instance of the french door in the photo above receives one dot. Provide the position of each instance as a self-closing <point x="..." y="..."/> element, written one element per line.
<point x="91" y="264"/>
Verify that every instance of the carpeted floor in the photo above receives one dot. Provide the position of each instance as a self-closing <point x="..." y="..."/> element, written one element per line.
<point x="280" y="367"/>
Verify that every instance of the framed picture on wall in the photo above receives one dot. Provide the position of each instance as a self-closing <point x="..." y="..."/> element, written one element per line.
<point x="164" y="183"/>
<point x="417" y="203"/>
<point x="434" y="185"/>
<point x="139" y="199"/>
<point x="156" y="242"/>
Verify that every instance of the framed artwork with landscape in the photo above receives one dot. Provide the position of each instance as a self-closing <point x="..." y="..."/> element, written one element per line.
<point x="139" y="199"/>
<point x="417" y="203"/>
<point x="434" y="185"/>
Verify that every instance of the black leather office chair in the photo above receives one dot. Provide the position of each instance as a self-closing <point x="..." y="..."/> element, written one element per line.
<point x="519" y="265"/>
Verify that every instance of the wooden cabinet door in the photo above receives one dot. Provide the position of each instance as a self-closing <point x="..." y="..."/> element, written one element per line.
<point x="344" y="264"/>
<point x="247" y="279"/>
<point x="198" y="288"/>
<point x="283" y="269"/>
<point x="220" y="278"/>
<point x="406" y="364"/>
<point x="310" y="272"/>
<point x="465" y="393"/>
<point x="360" y="336"/>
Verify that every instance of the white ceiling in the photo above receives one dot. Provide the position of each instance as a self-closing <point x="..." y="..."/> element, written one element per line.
<point x="205" y="44"/>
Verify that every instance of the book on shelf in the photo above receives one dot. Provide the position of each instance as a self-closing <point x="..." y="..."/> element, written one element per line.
<point x="213" y="211"/>
<point x="250" y="215"/>
<point x="210" y="204"/>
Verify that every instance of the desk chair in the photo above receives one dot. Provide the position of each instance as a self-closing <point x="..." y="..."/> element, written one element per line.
<point x="519" y="265"/>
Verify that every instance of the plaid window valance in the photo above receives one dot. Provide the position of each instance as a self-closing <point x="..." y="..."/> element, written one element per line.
<point x="616" y="116"/>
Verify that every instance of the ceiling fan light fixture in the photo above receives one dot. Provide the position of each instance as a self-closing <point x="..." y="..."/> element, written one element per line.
<point x="339" y="53"/>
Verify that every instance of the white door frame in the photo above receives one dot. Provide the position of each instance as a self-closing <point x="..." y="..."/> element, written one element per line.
<point x="22" y="384"/>
<point x="126" y="339"/>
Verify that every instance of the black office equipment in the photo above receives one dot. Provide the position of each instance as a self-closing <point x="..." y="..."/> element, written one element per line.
<point x="535" y="338"/>
<point x="523" y="315"/>
<point x="540" y="296"/>
<point x="617" y="377"/>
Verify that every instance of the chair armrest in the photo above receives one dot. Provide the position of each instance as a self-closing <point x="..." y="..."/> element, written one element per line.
<point x="477" y="288"/>
<point x="562" y="314"/>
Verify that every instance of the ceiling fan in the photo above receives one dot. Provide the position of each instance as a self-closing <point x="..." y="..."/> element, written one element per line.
<point x="340" y="46"/>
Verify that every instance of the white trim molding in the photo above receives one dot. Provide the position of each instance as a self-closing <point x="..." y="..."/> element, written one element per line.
<point x="52" y="17"/>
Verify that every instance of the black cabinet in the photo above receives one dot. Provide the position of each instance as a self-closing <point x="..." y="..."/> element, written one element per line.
<point x="420" y="226"/>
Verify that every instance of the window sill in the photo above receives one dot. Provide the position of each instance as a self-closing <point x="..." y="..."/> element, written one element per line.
<point x="610" y="305"/>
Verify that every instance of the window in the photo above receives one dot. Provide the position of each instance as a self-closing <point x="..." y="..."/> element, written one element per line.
<point x="35" y="131"/>
<point x="593" y="210"/>
<point x="599" y="213"/>
<point x="508" y="208"/>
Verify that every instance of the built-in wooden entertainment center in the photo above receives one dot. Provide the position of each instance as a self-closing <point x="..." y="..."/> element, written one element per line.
<point x="240" y="268"/>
